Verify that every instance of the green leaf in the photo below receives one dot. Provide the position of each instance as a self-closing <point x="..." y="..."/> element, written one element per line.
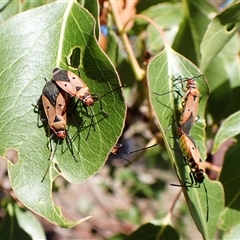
<point x="229" y="128"/>
<point x="166" y="15"/>
<point x="220" y="30"/>
<point x="150" y="231"/>
<point x="10" y="8"/>
<point x="34" y="44"/>
<point x="230" y="178"/>
<point x="234" y="233"/>
<point x="10" y="227"/>
<point x="93" y="8"/>
<point x="29" y="223"/>
<point x="192" y="29"/>
<point x="223" y="77"/>
<point x="162" y="68"/>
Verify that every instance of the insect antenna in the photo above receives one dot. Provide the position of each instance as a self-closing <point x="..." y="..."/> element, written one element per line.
<point x="99" y="98"/>
<point x="116" y="150"/>
<point x="141" y="149"/>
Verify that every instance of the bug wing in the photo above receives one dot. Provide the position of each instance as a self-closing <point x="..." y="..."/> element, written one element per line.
<point x="49" y="109"/>
<point x="186" y="124"/>
<point x="193" y="149"/>
<point x="67" y="87"/>
<point x="61" y="104"/>
<point x="67" y="81"/>
<point x="51" y="92"/>
<point x="76" y="80"/>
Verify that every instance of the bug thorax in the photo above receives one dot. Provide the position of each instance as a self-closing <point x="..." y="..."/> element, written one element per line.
<point x="195" y="93"/>
<point x="85" y="95"/>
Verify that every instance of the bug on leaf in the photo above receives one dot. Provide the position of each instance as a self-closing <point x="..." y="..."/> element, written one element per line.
<point x="73" y="85"/>
<point x="190" y="105"/>
<point x="193" y="159"/>
<point x="190" y="102"/>
<point x="55" y="102"/>
<point x="76" y="87"/>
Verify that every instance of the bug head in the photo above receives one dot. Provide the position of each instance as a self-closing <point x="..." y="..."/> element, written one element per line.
<point x="59" y="127"/>
<point x="191" y="83"/>
<point x="89" y="100"/>
<point x="199" y="175"/>
<point x="115" y="149"/>
<point x="61" y="134"/>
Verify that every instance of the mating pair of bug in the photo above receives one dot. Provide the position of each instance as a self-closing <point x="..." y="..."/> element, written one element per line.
<point x="55" y="99"/>
<point x="187" y="144"/>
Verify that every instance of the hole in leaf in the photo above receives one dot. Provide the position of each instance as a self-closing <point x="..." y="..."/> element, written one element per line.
<point x="75" y="58"/>
<point x="3" y="168"/>
<point x="57" y="168"/>
<point x="230" y="27"/>
<point x="12" y="155"/>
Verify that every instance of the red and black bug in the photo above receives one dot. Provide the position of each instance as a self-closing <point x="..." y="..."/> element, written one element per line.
<point x="190" y="105"/>
<point x="55" y="102"/>
<point x="76" y="87"/>
<point x="190" y="102"/>
<point x="193" y="159"/>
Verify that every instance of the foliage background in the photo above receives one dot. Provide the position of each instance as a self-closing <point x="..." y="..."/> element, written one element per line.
<point x="122" y="197"/>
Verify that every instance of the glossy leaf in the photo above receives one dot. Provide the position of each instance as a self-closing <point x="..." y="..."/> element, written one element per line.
<point x="221" y="29"/>
<point x="33" y="44"/>
<point x="223" y="76"/>
<point x="19" y="224"/>
<point x="166" y="15"/>
<point x="10" y="8"/>
<point x="160" y="72"/>
<point x="229" y="128"/>
<point x="196" y="19"/>
<point x="230" y="180"/>
<point x="29" y="223"/>
<point x="233" y="234"/>
<point x="150" y="231"/>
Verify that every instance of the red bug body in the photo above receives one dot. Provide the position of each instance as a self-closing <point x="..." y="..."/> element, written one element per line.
<point x="191" y="155"/>
<point x="191" y="102"/>
<point x="54" y="103"/>
<point x="73" y="85"/>
<point x="193" y="159"/>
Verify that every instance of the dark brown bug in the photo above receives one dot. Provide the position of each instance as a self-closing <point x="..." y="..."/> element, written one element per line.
<point x="76" y="87"/>
<point x="55" y="102"/>
<point x="193" y="159"/>
<point x="190" y="104"/>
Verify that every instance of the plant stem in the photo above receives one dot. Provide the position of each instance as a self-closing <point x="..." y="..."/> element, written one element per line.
<point x="138" y="71"/>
